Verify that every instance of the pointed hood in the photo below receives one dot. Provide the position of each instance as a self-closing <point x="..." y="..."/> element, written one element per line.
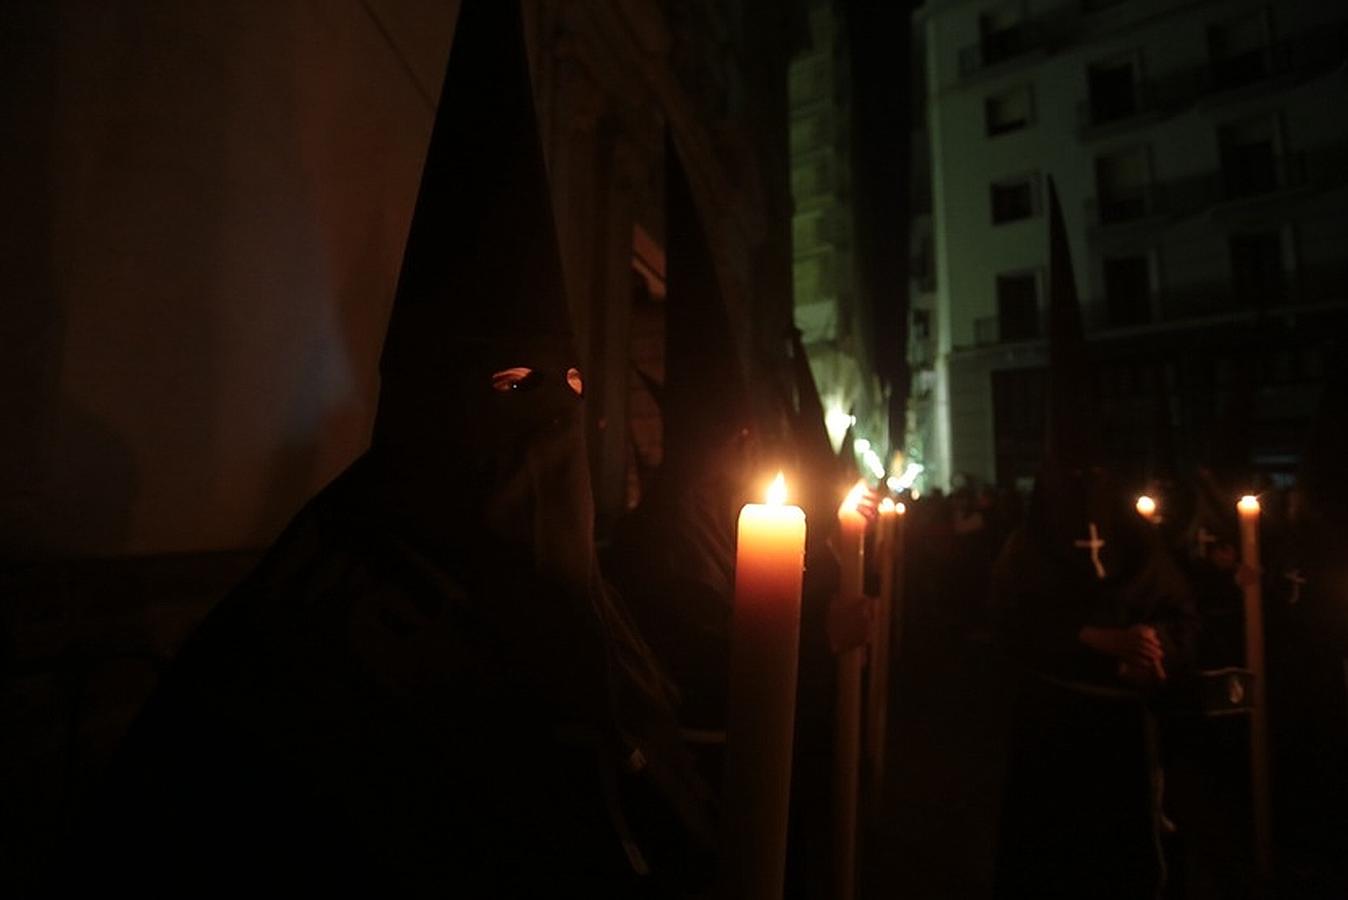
<point x="482" y="265"/>
<point x="815" y="456"/>
<point x="847" y="456"/>
<point x="1322" y="481"/>
<point x="811" y="424"/>
<point x="1076" y="499"/>
<point x="1071" y="433"/>
<point x="1227" y="452"/>
<point x="478" y="456"/>
<point x="1161" y="442"/>
<point x="703" y="401"/>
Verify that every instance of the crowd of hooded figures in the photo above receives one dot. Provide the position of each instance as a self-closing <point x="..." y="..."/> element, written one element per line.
<point x="436" y="683"/>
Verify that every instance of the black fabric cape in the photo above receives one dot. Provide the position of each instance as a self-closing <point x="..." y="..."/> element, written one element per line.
<point x="348" y="720"/>
<point x="1080" y="805"/>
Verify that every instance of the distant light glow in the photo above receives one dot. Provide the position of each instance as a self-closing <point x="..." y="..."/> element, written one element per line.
<point x="902" y="482"/>
<point x="777" y="491"/>
<point x="1146" y="506"/>
<point x="887" y="507"/>
<point x="862" y="445"/>
<point x="872" y="460"/>
<point x="837" y="421"/>
<point x="853" y="498"/>
<point x="902" y="509"/>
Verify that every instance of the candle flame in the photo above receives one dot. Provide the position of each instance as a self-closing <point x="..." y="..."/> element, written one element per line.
<point x="853" y="498"/>
<point x="1248" y="503"/>
<point x="1146" y="506"/>
<point x="887" y="507"/>
<point x="777" y="491"/>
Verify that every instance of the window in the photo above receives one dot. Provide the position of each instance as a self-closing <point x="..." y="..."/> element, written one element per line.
<point x="1113" y="90"/>
<point x="1251" y="163"/>
<point x="1258" y="275"/>
<point x="1001" y="33"/>
<point x="1239" y="49"/>
<point x="1013" y="200"/>
<point x="811" y="180"/>
<point x="808" y="231"/>
<point x="1009" y="111"/>
<point x="809" y="132"/>
<point x="921" y="329"/>
<point x="1017" y="306"/>
<point x="808" y="80"/>
<point x="1123" y="185"/>
<point x="1127" y="290"/>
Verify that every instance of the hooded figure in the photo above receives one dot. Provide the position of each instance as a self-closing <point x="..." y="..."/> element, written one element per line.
<point x="1306" y="592"/>
<point x="1098" y="618"/>
<point x="424" y="687"/>
<point x="822" y="469"/>
<point x="673" y="556"/>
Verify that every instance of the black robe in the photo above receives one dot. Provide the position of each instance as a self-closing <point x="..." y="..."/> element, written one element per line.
<point x="1080" y="809"/>
<point x="351" y="718"/>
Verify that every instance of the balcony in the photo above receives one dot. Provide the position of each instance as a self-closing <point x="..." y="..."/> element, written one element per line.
<point x="1252" y="172"/>
<point x="1320" y="287"/>
<point x="1150" y="100"/>
<point x="1297" y="59"/>
<point x="1243" y="178"/>
<point x="1009" y="43"/>
<point x="993" y="330"/>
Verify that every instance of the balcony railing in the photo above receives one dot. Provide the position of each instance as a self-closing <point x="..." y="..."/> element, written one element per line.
<point x="1146" y="102"/>
<point x="1241" y="179"/>
<point x="1315" y="286"/>
<point x="1300" y="57"/>
<point x="990" y="330"/>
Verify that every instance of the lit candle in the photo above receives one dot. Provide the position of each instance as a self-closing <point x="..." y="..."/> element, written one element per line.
<point x="1248" y="508"/>
<point x="765" y="637"/>
<point x="1146" y="508"/>
<point x="847" y="726"/>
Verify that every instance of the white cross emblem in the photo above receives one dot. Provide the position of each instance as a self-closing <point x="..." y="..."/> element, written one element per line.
<point x="1297" y="580"/>
<point x="1094" y="543"/>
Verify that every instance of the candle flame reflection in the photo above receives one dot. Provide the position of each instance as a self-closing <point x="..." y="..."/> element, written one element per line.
<point x="1248" y="503"/>
<point x="777" y="490"/>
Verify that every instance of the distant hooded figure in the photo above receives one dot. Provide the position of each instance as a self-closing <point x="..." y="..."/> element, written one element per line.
<point x="1306" y="597"/>
<point x="1099" y="618"/>
<point x="425" y="687"/>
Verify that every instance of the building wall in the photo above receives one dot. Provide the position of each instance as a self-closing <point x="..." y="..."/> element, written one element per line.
<point x="211" y="208"/>
<point x="828" y="308"/>
<point x="1186" y="232"/>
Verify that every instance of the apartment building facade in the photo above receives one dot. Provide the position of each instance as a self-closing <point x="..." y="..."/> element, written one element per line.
<point x="1201" y="166"/>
